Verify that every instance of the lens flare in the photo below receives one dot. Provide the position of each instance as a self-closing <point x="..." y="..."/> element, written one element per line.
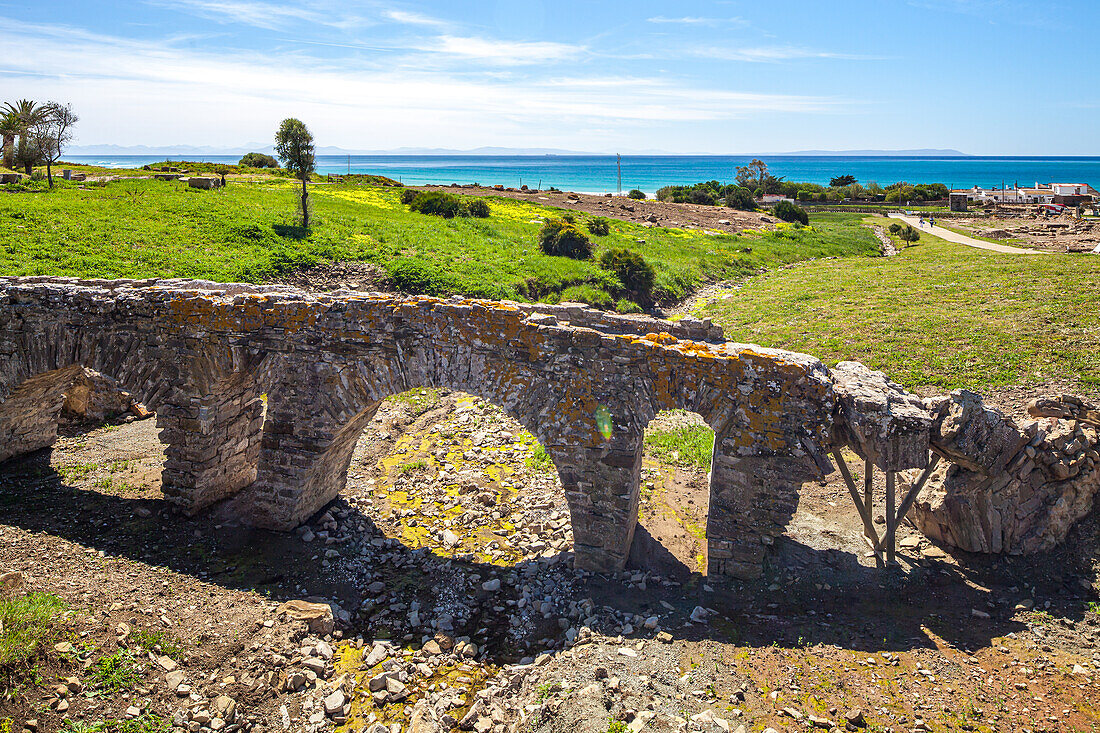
<point x="603" y="422"/>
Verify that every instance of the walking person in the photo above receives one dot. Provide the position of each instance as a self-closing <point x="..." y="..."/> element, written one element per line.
<point x="932" y="221"/>
<point x="921" y="222"/>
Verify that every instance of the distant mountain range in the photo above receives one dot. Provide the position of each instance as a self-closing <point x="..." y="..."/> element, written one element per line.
<point x="916" y="153"/>
<point x="198" y="150"/>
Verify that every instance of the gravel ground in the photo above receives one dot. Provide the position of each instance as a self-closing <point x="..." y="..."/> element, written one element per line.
<point x="438" y="593"/>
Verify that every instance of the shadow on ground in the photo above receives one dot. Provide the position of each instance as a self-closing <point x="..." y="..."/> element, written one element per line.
<point x="808" y="596"/>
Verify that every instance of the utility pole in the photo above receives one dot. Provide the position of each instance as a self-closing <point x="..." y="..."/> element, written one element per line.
<point x="619" y="167"/>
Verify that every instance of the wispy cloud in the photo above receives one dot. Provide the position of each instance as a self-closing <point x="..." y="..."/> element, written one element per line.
<point x="151" y="92"/>
<point x="266" y="15"/>
<point x="411" y="18"/>
<point x="697" y="20"/>
<point x="770" y="54"/>
<point x="494" y="51"/>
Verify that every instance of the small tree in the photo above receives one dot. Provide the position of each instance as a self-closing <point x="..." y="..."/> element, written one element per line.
<point x="841" y="181"/>
<point x="50" y="133"/>
<point x="294" y="146"/>
<point x="9" y="129"/>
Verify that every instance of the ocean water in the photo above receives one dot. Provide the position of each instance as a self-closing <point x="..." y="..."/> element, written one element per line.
<point x="597" y="174"/>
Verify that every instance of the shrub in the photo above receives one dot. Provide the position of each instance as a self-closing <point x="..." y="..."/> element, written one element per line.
<point x="560" y="238"/>
<point x="895" y="228"/>
<point x="476" y="208"/>
<point x="636" y="194"/>
<point x="908" y="234"/>
<point x="740" y="198"/>
<point x="787" y="211"/>
<point x="600" y="226"/>
<point x="702" y="196"/>
<point x="436" y="203"/>
<point x="408" y="195"/>
<point x="636" y="275"/>
<point x="805" y="195"/>
<point x="258" y="160"/>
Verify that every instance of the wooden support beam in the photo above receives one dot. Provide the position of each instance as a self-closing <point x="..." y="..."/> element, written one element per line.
<point x="891" y="518"/>
<point x="911" y="496"/>
<point x="864" y="509"/>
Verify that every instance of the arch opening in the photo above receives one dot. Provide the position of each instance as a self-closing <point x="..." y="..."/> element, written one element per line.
<point x="671" y="539"/>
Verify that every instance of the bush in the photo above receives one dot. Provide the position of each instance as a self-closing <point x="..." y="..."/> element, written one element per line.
<point x="636" y="194"/>
<point x="740" y="198"/>
<point x="894" y="228"/>
<point x="908" y="234"/>
<point x="559" y="238"/>
<point x="636" y="275"/>
<point x="476" y="208"/>
<point x="408" y="195"/>
<point x="258" y="160"/>
<point x="599" y="226"/>
<point x="436" y="203"/>
<point x="787" y="211"/>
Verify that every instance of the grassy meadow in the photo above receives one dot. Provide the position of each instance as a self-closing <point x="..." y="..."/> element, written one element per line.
<point x="247" y="232"/>
<point x="937" y="314"/>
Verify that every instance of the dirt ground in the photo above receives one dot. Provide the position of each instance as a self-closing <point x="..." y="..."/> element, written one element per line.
<point x="648" y="212"/>
<point x="454" y="530"/>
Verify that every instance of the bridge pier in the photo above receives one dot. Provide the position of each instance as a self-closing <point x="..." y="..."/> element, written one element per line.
<point x="212" y="444"/>
<point x="602" y="488"/>
<point x="309" y="436"/>
<point x="751" y="501"/>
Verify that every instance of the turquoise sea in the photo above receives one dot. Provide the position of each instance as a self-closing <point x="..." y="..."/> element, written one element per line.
<point x="597" y="174"/>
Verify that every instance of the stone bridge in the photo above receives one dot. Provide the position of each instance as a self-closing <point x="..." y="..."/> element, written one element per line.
<point x="585" y="383"/>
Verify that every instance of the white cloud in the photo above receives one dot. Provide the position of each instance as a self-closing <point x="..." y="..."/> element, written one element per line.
<point x="134" y="92"/>
<point x="502" y="52"/>
<point x="411" y="18"/>
<point x="269" y="16"/>
<point x="697" y="20"/>
<point x="769" y="54"/>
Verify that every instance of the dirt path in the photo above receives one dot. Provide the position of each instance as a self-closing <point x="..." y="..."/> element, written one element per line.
<point x="951" y="236"/>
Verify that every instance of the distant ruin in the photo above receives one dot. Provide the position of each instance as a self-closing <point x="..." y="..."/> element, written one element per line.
<point x="586" y="383"/>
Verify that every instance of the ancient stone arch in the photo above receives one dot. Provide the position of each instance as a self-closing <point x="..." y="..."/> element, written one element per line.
<point x="202" y="354"/>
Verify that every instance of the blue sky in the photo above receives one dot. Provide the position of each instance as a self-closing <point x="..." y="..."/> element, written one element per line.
<point x="983" y="76"/>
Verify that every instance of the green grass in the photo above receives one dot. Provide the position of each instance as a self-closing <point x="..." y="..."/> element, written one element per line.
<point x="689" y="446"/>
<point x="115" y="672"/>
<point x="29" y="625"/>
<point x="540" y="460"/>
<point x="937" y="314"/>
<point x="246" y="232"/>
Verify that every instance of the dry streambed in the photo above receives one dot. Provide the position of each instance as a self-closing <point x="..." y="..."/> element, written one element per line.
<point x="438" y="593"/>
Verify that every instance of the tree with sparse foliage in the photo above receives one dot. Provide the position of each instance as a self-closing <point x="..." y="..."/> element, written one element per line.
<point x="294" y="146"/>
<point x="753" y="175"/>
<point x="50" y="134"/>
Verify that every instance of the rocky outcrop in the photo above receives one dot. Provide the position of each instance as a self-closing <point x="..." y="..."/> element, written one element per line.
<point x="1013" y="489"/>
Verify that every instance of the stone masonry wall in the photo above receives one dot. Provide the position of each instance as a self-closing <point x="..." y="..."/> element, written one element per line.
<point x="201" y="354"/>
<point x="585" y="383"/>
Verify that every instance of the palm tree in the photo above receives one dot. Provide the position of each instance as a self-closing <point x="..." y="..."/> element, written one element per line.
<point x="9" y="128"/>
<point x="26" y="113"/>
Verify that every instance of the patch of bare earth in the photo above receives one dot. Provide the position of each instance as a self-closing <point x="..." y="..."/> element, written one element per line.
<point x="647" y="212"/>
<point x="447" y="565"/>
